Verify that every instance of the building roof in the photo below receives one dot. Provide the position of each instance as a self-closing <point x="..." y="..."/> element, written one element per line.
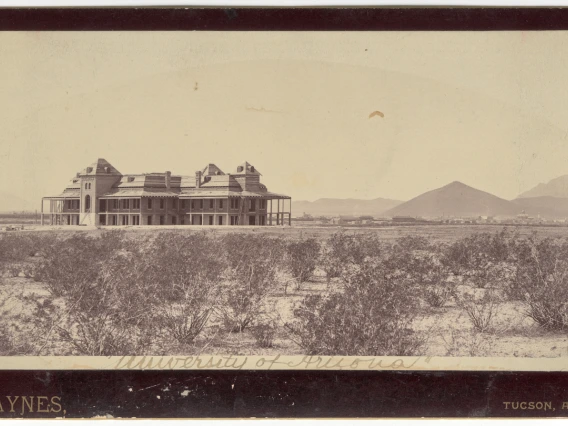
<point x="221" y="181"/>
<point x="246" y="169"/>
<point x="100" y="167"/>
<point x="212" y="170"/>
<point x="140" y="192"/>
<point x="215" y="183"/>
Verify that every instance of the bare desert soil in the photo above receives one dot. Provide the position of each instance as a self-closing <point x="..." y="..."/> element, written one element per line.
<point x="448" y="329"/>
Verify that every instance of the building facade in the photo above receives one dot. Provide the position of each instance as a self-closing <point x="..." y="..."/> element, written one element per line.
<point x="101" y="196"/>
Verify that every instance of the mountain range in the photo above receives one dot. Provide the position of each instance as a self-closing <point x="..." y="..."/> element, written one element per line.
<point x="344" y="207"/>
<point x="548" y="200"/>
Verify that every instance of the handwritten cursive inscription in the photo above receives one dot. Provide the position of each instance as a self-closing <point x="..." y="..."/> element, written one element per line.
<point x="277" y="362"/>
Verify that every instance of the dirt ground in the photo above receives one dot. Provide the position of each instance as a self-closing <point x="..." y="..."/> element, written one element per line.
<point x="448" y="329"/>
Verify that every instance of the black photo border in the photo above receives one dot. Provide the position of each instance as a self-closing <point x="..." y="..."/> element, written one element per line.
<point x="298" y="393"/>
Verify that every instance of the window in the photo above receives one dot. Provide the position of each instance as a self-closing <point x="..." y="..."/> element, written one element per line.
<point x="124" y="204"/>
<point x="261" y="220"/>
<point x="183" y="204"/>
<point x="174" y="220"/>
<point x="220" y="204"/>
<point x="102" y="205"/>
<point x="136" y="204"/>
<point x="87" y="203"/>
<point x="175" y="203"/>
<point x="239" y="169"/>
<point x="149" y="220"/>
<point x="211" y="203"/>
<point x="149" y="203"/>
<point x="86" y="185"/>
<point x="162" y="220"/>
<point x="182" y="221"/>
<point x="114" y="204"/>
<point x="161" y="203"/>
<point x="252" y="207"/>
<point x="234" y="220"/>
<point x="234" y="203"/>
<point x="200" y="204"/>
<point x="130" y="179"/>
<point x="210" y="220"/>
<point x="262" y="204"/>
<point x="220" y="220"/>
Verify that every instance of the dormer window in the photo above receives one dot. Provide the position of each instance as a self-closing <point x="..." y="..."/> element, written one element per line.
<point x="107" y="170"/>
<point x="252" y="169"/>
<point x="89" y="169"/>
<point x="239" y="169"/>
<point x="75" y="180"/>
<point x="130" y="179"/>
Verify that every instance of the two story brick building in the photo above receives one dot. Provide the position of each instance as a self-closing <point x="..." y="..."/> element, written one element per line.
<point x="100" y="195"/>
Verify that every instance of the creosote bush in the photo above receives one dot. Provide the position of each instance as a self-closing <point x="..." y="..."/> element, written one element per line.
<point x="541" y="282"/>
<point x="264" y="334"/>
<point x="342" y="251"/>
<point x="253" y="262"/>
<point x="373" y="315"/>
<point x="302" y="258"/>
<point x="481" y="311"/>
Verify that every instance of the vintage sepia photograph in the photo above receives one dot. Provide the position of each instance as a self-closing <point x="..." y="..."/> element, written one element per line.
<point x="284" y="195"/>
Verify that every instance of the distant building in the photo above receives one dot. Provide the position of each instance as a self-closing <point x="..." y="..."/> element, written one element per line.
<point x="404" y="219"/>
<point x="101" y="195"/>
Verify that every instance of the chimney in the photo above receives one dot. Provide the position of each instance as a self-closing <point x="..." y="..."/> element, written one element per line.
<point x="198" y="179"/>
<point x="168" y="179"/>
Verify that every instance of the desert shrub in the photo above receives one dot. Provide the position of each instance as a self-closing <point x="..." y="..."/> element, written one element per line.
<point x="335" y="254"/>
<point x="433" y="280"/>
<point x="253" y="262"/>
<point x="108" y="317"/>
<point x="541" y="282"/>
<point x="371" y="316"/>
<point x="410" y="243"/>
<point x="12" y="340"/>
<point x="341" y="251"/>
<point x="106" y="304"/>
<point x="264" y="335"/>
<point x="483" y="259"/>
<point x="302" y="257"/>
<point x="185" y="272"/>
<point x="74" y="263"/>
<point x="16" y="249"/>
<point x="481" y="311"/>
<point x="467" y="343"/>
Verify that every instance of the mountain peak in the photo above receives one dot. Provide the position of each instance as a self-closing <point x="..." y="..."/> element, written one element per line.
<point x="455" y="199"/>
<point x="557" y="187"/>
<point x="456" y="184"/>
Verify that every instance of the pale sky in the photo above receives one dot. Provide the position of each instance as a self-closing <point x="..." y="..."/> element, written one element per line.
<point x="487" y="109"/>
